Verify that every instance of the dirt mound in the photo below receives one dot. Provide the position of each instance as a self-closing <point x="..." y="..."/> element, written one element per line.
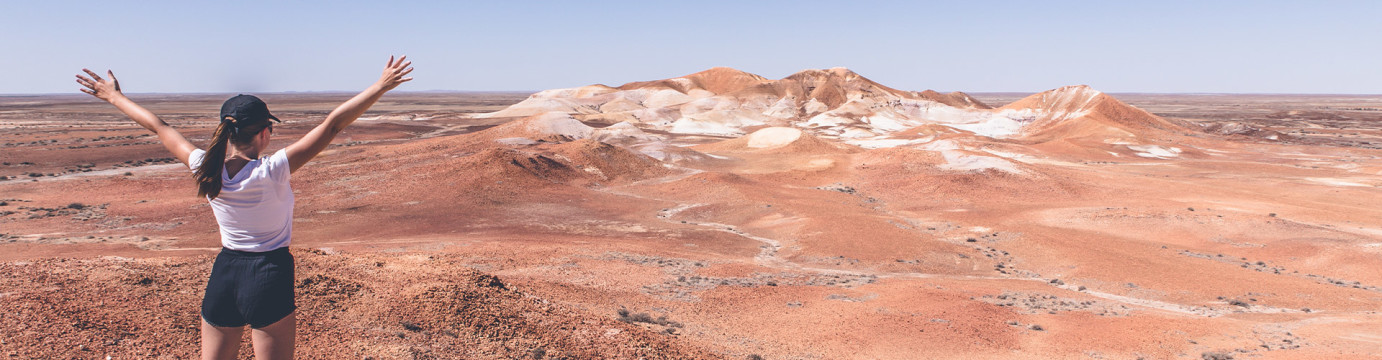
<point x="932" y="130"/>
<point x="349" y="306"/>
<point x="778" y="140"/>
<point x="609" y="162"/>
<point x="1080" y="111"/>
<point x="562" y="100"/>
<point x="833" y="87"/>
<point x="516" y="170"/>
<point x="550" y="126"/>
<point x="717" y="80"/>
<point x="670" y="153"/>
<point x="839" y="103"/>
<point x="724" y="101"/>
<point x="955" y="99"/>
<point x="624" y="132"/>
<point x="521" y="168"/>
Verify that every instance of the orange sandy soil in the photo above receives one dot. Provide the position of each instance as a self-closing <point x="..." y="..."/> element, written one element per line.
<point x="417" y="236"/>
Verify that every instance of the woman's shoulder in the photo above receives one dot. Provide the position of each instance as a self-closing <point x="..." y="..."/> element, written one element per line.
<point x="276" y="165"/>
<point x="194" y="159"/>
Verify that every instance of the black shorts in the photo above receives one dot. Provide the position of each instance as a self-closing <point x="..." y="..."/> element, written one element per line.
<point x="254" y="288"/>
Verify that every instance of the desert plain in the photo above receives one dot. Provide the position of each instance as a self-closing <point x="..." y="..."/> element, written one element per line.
<point x="725" y="215"/>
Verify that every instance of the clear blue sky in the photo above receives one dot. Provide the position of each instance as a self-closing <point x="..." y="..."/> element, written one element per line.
<point x="1027" y="46"/>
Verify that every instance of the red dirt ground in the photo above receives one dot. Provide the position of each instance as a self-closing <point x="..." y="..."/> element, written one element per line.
<point x="418" y="236"/>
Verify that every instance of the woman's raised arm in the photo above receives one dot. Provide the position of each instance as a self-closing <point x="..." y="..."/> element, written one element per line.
<point x="302" y="151"/>
<point x="109" y="90"/>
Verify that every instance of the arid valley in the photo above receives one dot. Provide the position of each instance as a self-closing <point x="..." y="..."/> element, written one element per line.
<point x="725" y="215"/>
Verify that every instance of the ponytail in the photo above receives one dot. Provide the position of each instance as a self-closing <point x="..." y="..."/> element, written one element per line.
<point x="242" y="118"/>
<point x="208" y="175"/>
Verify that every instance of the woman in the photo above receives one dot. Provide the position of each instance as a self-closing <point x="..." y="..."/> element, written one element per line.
<point x="252" y="279"/>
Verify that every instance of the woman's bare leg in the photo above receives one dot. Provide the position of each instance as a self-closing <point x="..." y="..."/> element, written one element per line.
<point x="220" y="342"/>
<point x="275" y="341"/>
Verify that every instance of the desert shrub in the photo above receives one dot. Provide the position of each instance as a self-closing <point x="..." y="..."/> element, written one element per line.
<point x="629" y="317"/>
<point x="643" y="318"/>
<point x="1216" y="355"/>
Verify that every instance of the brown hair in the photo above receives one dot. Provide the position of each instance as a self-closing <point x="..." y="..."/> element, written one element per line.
<point x="208" y="175"/>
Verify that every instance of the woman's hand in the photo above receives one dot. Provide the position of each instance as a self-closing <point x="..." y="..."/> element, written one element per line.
<point x="103" y="89"/>
<point x="109" y="90"/>
<point x="394" y="73"/>
<point x="316" y="140"/>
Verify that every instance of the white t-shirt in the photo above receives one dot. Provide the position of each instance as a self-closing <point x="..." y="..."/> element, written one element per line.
<point x="255" y="208"/>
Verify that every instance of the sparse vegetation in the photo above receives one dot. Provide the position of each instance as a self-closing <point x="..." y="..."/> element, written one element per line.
<point x="1216" y="355"/>
<point x="838" y="187"/>
<point x="629" y="317"/>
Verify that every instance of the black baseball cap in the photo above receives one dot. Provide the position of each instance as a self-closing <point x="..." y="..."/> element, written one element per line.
<point x="246" y="110"/>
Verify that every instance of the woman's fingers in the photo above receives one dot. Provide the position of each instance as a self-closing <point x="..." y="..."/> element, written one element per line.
<point x="88" y="91"/>
<point x="93" y="74"/>
<point x="397" y="68"/>
<point x="88" y="83"/>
